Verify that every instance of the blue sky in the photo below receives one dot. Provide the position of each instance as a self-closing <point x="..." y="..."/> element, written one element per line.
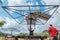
<point x="55" y="19"/>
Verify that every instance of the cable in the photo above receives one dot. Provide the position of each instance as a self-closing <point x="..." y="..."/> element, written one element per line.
<point x="53" y="12"/>
<point x="15" y="12"/>
<point x="11" y="16"/>
<point x="40" y="21"/>
<point x="4" y="7"/>
<point x="49" y="9"/>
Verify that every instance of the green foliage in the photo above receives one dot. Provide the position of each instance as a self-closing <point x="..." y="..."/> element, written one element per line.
<point x="2" y="23"/>
<point x="22" y="34"/>
<point x="35" y="34"/>
<point x="2" y="34"/>
<point x="42" y="34"/>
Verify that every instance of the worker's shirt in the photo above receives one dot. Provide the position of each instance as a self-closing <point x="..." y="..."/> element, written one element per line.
<point x="53" y="31"/>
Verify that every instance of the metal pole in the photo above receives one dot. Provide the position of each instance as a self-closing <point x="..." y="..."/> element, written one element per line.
<point x="30" y="18"/>
<point x="30" y="23"/>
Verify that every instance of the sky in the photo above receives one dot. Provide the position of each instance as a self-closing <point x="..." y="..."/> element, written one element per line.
<point x="10" y="22"/>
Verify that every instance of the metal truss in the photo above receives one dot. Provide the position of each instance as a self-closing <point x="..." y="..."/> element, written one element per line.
<point x="9" y="8"/>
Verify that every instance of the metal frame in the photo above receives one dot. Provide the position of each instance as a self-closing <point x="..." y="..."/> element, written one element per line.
<point x="11" y="9"/>
<point x="7" y="7"/>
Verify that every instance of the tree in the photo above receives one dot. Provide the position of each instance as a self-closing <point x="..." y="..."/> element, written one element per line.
<point x="2" y="23"/>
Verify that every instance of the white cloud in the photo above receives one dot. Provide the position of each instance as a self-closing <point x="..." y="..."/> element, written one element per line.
<point x="51" y="2"/>
<point x="17" y="3"/>
<point x="12" y="23"/>
<point x="1" y="19"/>
<point x="9" y="23"/>
<point x="21" y="2"/>
<point x="55" y="19"/>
